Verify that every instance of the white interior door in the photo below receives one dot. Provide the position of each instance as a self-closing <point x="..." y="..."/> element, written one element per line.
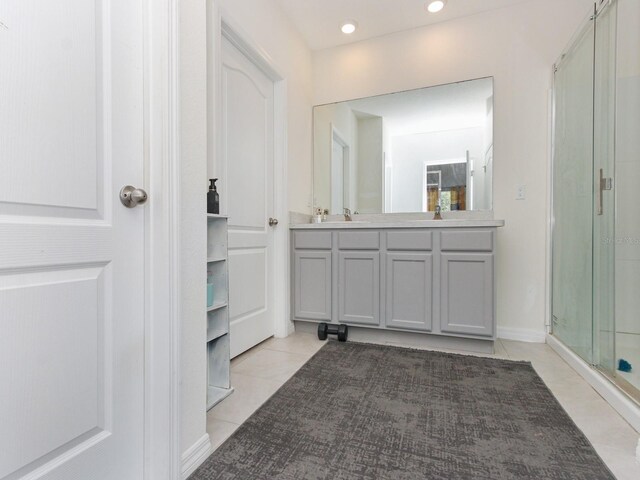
<point x="247" y="153"/>
<point x="71" y="256"/>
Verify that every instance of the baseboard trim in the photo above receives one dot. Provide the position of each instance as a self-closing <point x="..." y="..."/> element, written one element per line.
<point x="197" y="453"/>
<point x="522" y="334"/>
<point x="620" y="402"/>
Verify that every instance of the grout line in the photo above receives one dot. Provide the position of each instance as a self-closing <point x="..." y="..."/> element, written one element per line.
<point x="293" y="353"/>
<point x="271" y="379"/>
<point x="209" y="414"/>
<point x="245" y="419"/>
<point x="250" y="376"/>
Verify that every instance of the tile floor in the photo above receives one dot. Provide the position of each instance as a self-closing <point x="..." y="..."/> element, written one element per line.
<point x="258" y="373"/>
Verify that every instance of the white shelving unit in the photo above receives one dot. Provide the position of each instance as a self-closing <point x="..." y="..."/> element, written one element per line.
<point x="218" y="356"/>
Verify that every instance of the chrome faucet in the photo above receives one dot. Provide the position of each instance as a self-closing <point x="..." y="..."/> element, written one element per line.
<point x="437" y="215"/>
<point x="347" y="215"/>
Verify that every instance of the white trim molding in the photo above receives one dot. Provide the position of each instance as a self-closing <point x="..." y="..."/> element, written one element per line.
<point x="195" y="455"/>
<point x="620" y="402"/>
<point x="522" y="334"/>
<point x="162" y="246"/>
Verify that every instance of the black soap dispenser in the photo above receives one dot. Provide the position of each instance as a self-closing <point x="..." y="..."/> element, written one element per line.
<point x="213" y="199"/>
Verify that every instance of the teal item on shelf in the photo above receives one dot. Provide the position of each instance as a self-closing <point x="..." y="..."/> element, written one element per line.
<point x="209" y="294"/>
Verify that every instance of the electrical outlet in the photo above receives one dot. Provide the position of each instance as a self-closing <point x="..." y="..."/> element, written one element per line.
<point x="521" y="192"/>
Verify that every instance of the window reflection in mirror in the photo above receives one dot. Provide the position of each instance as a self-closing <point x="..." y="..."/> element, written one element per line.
<point x="406" y="151"/>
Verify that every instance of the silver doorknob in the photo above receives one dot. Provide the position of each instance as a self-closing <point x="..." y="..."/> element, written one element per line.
<point x="273" y="222"/>
<point x="132" y="197"/>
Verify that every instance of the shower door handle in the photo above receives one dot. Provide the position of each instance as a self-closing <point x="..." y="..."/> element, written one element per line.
<point x="603" y="184"/>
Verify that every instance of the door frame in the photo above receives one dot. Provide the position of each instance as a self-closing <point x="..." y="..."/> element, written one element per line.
<point x="221" y="25"/>
<point x="162" y="455"/>
<point x="339" y="138"/>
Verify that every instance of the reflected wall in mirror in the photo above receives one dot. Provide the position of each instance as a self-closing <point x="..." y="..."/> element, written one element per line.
<point x="407" y="151"/>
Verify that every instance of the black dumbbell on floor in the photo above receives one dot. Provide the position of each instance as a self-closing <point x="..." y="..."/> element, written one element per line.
<point x="325" y="329"/>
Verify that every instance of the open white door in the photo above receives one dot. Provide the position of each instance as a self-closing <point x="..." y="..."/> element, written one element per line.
<point x="247" y="156"/>
<point x="71" y="255"/>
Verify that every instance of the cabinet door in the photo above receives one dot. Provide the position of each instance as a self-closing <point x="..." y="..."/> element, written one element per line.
<point x="359" y="288"/>
<point x="409" y="291"/>
<point x="466" y="294"/>
<point x="312" y="285"/>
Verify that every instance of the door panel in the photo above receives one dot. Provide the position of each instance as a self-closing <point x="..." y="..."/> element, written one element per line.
<point x="253" y="261"/>
<point x="312" y="288"/>
<point x="466" y="293"/>
<point x="573" y="182"/>
<point x="247" y="149"/>
<point x="52" y="103"/>
<point x="71" y="261"/>
<point x="409" y="291"/>
<point x="604" y="151"/>
<point x="359" y="288"/>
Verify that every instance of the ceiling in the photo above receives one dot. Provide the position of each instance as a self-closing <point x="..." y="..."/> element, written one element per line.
<point x="319" y="21"/>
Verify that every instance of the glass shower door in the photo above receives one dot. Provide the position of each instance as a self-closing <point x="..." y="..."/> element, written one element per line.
<point x="617" y="128"/>
<point x="596" y="177"/>
<point x="604" y="234"/>
<point x="572" y="248"/>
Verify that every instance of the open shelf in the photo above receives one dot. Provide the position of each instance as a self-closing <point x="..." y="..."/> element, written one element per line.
<point x="216" y="394"/>
<point x="215" y="216"/>
<point x="215" y="334"/>
<point x="216" y="259"/>
<point x="217" y="275"/>
<point x="218" y="347"/>
<point x="216" y="306"/>
<point x="217" y="324"/>
<point x="217" y="239"/>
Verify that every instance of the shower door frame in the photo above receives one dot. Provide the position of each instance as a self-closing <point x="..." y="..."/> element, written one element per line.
<point x="617" y="381"/>
<point x="580" y="32"/>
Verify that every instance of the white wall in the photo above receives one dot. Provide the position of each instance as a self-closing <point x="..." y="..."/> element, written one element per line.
<point x="270" y="29"/>
<point x="517" y="46"/>
<point x="370" y="165"/>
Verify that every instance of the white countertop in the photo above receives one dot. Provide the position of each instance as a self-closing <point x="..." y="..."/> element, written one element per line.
<point x="452" y="223"/>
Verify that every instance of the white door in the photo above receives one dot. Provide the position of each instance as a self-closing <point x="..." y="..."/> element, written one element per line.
<point x="247" y="152"/>
<point x="71" y="255"/>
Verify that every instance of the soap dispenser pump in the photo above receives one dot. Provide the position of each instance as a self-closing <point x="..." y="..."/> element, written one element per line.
<point x="213" y="199"/>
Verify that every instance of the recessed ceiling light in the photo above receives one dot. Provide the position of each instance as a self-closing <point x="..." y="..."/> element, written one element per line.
<point x="436" y="5"/>
<point x="349" y="26"/>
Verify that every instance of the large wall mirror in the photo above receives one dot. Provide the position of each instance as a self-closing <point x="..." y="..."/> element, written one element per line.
<point x="407" y="151"/>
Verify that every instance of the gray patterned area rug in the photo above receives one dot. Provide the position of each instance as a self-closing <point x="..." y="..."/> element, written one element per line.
<point x="358" y="411"/>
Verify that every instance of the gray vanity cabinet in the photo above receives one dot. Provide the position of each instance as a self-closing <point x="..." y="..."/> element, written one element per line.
<point x="313" y="274"/>
<point x="409" y="291"/>
<point x="467" y="283"/>
<point x="359" y="287"/>
<point x="432" y="280"/>
<point x="312" y="289"/>
<point x="466" y="293"/>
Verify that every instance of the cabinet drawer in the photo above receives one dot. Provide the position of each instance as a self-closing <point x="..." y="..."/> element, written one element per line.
<point x="468" y="241"/>
<point x="312" y="240"/>
<point x="410" y="240"/>
<point x="358" y="240"/>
